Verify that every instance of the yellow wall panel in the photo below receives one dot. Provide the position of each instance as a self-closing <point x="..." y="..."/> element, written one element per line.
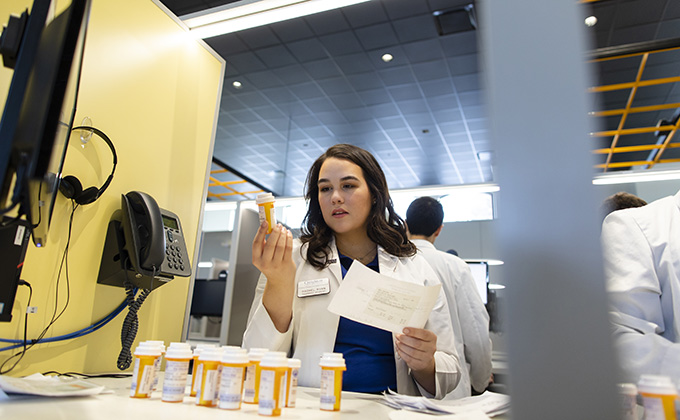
<point x="155" y="92"/>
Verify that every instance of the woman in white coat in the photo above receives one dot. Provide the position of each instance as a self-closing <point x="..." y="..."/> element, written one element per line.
<point x="350" y="218"/>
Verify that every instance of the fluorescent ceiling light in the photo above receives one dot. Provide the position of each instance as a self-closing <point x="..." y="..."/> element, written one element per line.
<point x="632" y="176"/>
<point x="205" y="264"/>
<point x="441" y="190"/>
<point x="489" y="261"/>
<point x="244" y="15"/>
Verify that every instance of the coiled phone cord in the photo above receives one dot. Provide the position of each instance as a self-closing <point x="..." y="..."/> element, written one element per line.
<point x="130" y="325"/>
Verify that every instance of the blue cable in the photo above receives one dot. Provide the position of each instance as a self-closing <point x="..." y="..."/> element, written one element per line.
<point x="82" y="332"/>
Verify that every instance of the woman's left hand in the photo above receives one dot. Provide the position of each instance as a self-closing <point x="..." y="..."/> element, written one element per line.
<point x="416" y="347"/>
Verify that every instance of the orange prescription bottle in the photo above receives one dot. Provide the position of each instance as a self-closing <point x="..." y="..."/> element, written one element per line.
<point x="157" y="367"/>
<point x="265" y="208"/>
<point x="292" y="381"/>
<point x="251" y="386"/>
<point x="145" y="357"/>
<point x="272" y="395"/>
<point x="177" y="359"/>
<point x="658" y="397"/>
<point x="197" y="353"/>
<point x="208" y="376"/>
<point x="332" y="367"/>
<point x="234" y="362"/>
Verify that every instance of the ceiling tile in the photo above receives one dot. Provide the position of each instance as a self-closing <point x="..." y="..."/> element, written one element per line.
<point x="354" y="63"/>
<point x="293" y="74"/>
<point x="375" y="96"/>
<point x="307" y="50"/>
<point x="292" y="30"/>
<point x="341" y="43"/>
<point x="327" y="22"/>
<point x="276" y="56"/>
<point x="396" y="76"/>
<point x="415" y="28"/>
<point x="377" y="36"/>
<point x="322" y="69"/>
<point x="420" y="51"/>
<point x="246" y="62"/>
<point x="365" y="14"/>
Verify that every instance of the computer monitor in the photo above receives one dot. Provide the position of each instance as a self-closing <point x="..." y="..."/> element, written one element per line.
<point x="40" y="107"/>
<point x="480" y="272"/>
<point x="208" y="297"/>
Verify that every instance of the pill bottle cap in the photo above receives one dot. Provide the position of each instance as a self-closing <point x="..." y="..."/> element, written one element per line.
<point x="264" y="198"/>
<point x="332" y="360"/>
<point x="294" y="363"/>
<point x="178" y="352"/>
<point x="627" y="389"/>
<point x="656" y="384"/>
<point x="178" y="344"/>
<point x="158" y="343"/>
<point x="211" y="354"/>
<point x="200" y="347"/>
<point x="233" y="354"/>
<point x="147" y="350"/>
<point x="256" y="353"/>
<point x="274" y="359"/>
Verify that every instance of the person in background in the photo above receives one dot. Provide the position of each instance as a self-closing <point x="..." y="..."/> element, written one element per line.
<point x="350" y="220"/>
<point x="619" y="201"/>
<point x="469" y="317"/>
<point x="641" y="250"/>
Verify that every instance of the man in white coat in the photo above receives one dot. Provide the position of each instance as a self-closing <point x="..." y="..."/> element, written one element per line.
<point x="469" y="317"/>
<point x="641" y="248"/>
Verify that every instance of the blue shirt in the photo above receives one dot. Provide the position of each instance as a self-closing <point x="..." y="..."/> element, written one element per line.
<point x="368" y="351"/>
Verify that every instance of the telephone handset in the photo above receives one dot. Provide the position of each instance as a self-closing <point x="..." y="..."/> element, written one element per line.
<point x="143" y="229"/>
<point x="154" y="239"/>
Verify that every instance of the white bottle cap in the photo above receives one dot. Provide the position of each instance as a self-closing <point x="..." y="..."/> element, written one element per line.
<point x="179" y="351"/>
<point x="158" y="343"/>
<point x="233" y="354"/>
<point x="274" y="359"/>
<point x="147" y="349"/>
<point x="264" y="198"/>
<point x="294" y="363"/>
<point x="200" y="347"/>
<point x="627" y="389"/>
<point x="255" y="354"/>
<point x="656" y="384"/>
<point x="213" y="354"/>
<point x="332" y="360"/>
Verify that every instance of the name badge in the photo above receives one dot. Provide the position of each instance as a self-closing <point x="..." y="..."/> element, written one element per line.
<point x="313" y="287"/>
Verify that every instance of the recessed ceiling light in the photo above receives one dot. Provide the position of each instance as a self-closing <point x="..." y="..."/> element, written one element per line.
<point x="237" y="84"/>
<point x="387" y="58"/>
<point x="591" y="21"/>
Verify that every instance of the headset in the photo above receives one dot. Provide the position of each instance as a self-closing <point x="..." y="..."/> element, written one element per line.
<point x="72" y="188"/>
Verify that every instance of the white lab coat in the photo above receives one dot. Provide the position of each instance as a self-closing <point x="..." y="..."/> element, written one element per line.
<point x="469" y="317"/>
<point x="313" y="328"/>
<point x="641" y="248"/>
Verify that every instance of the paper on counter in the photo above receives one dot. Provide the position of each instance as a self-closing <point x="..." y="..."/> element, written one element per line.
<point x="410" y="415"/>
<point x="490" y="403"/>
<point x="48" y="386"/>
<point x="383" y="302"/>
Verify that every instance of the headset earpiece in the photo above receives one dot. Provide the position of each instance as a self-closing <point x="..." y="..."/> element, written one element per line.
<point x="88" y="196"/>
<point x="72" y="188"/>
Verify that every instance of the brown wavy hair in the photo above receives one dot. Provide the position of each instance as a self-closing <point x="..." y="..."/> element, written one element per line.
<point x="384" y="226"/>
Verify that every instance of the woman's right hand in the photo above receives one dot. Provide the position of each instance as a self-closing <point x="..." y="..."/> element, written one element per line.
<point x="273" y="256"/>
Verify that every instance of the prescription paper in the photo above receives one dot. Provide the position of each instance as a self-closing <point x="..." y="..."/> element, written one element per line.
<point x="48" y="386"/>
<point x="383" y="302"/>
